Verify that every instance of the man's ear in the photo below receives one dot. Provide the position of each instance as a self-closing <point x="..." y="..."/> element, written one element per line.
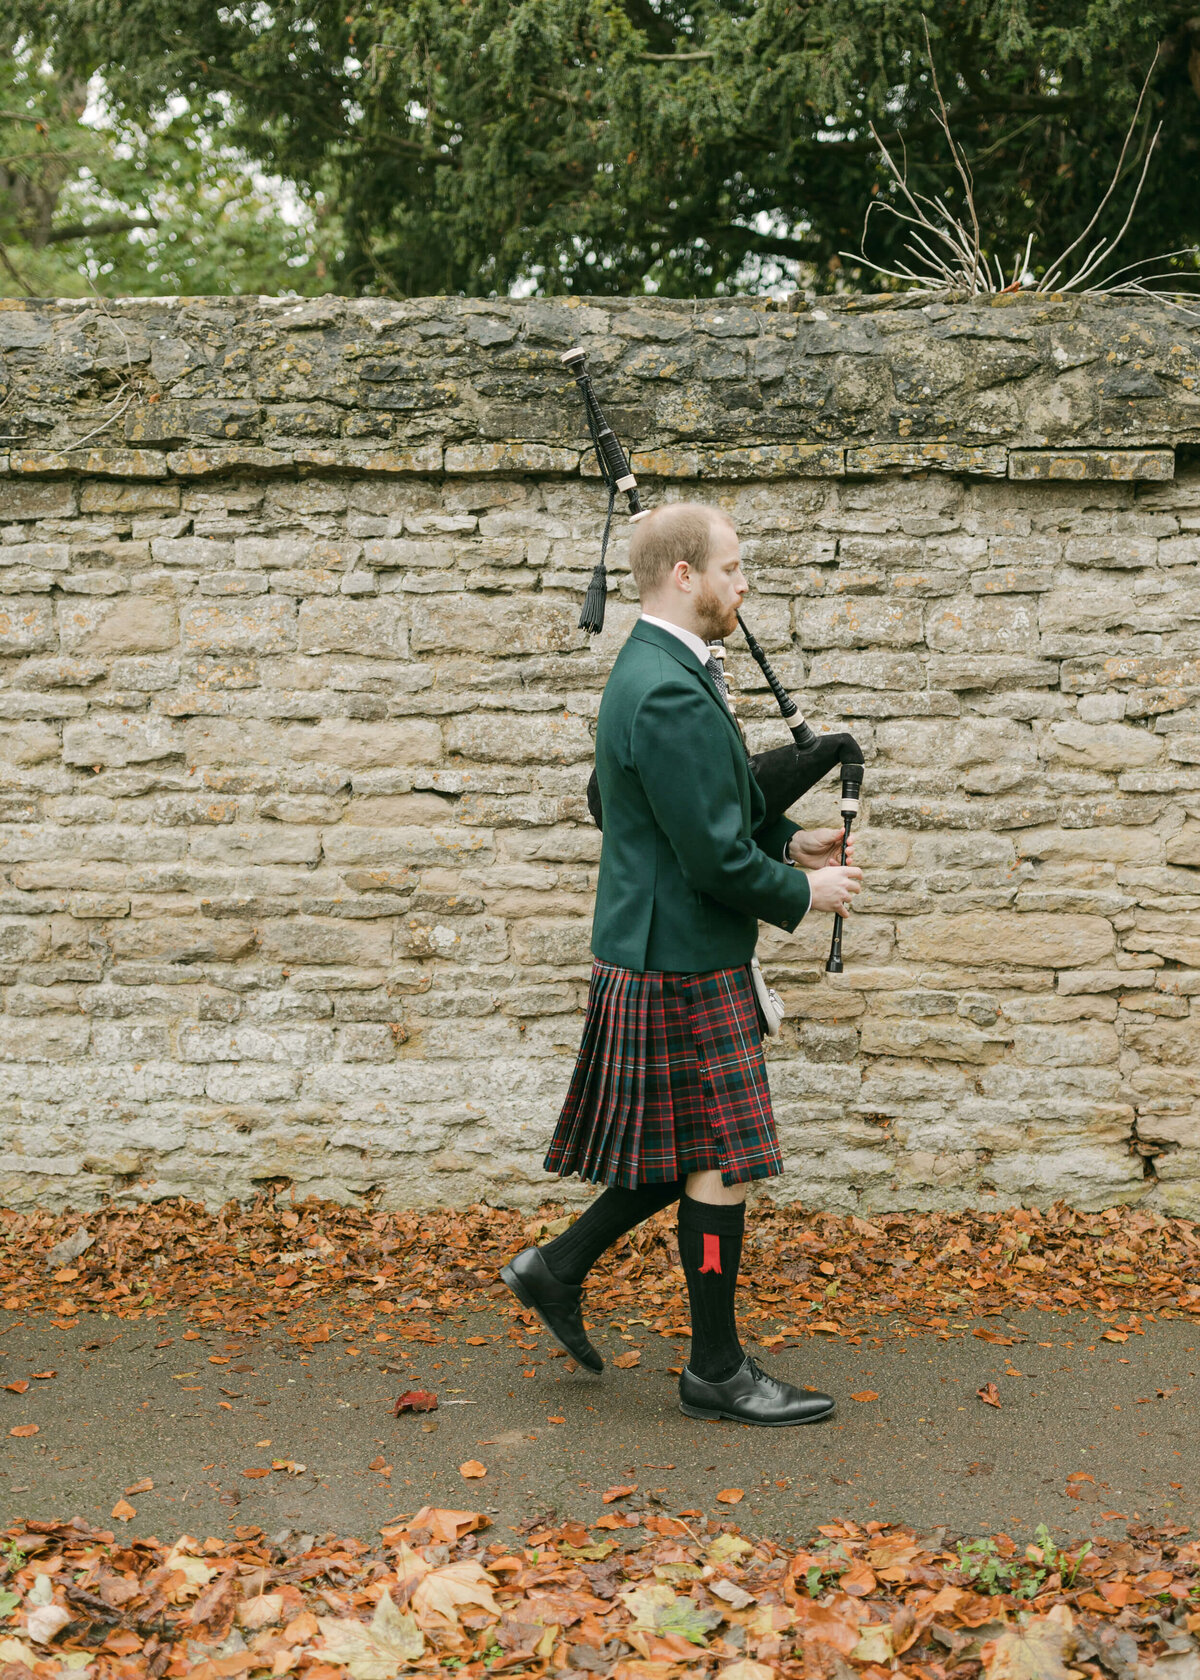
<point x="682" y="573"/>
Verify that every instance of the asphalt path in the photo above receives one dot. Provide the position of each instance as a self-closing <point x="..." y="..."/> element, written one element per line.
<point x="1116" y="1423"/>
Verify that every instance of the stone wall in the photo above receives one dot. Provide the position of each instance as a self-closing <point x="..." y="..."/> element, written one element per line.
<point x="295" y="722"/>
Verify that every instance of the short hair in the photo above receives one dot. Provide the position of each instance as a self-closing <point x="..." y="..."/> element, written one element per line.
<point x="678" y="531"/>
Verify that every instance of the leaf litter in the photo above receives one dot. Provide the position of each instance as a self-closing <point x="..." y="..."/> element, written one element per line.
<point x="319" y="1266"/>
<point x="435" y="1594"/>
<point x="633" y="1596"/>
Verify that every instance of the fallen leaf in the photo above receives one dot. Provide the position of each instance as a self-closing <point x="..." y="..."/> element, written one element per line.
<point x="472" y="1470"/>
<point x="46" y="1622"/>
<point x="42" y="1376"/>
<point x="1036" y="1651"/>
<point x="1113" y="1336"/>
<point x="614" y="1493"/>
<point x="373" y="1651"/>
<point x="123" y="1510"/>
<point x="748" y="1670"/>
<point x="24" y="1429"/>
<point x="989" y="1394"/>
<point x="657" y="1609"/>
<point x="626" y="1361"/>
<point x="144" y="1486"/>
<point x="443" y="1590"/>
<point x="731" y="1496"/>
<point x="865" y="1394"/>
<point x="379" y="1464"/>
<point x="18" y="1387"/>
<point x="256" y="1475"/>
<point x="415" y="1400"/>
<point x="730" y="1593"/>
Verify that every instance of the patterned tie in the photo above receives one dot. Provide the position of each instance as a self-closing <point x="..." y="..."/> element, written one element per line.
<point x="715" y="670"/>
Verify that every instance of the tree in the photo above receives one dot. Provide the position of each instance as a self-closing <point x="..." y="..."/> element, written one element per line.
<point x="91" y="199"/>
<point x="685" y="146"/>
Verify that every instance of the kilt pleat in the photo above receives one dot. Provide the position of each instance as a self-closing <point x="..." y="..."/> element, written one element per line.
<point x="670" y="1079"/>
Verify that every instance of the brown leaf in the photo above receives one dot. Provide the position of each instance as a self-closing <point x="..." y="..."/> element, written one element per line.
<point x="211" y="1617"/>
<point x="415" y="1400"/>
<point x="256" y="1475"/>
<point x="612" y="1493"/>
<point x="1113" y="1336"/>
<point x="379" y="1463"/>
<point x="989" y="1394"/>
<point x="472" y="1470"/>
<point x="18" y="1387"/>
<point x="731" y="1496"/>
<point x="41" y="1376"/>
<point x="626" y="1361"/>
<point x="123" y="1510"/>
<point x="24" y="1429"/>
<point x="1036" y="1651"/>
<point x="865" y="1394"/>
<point x="144" y="1486"/>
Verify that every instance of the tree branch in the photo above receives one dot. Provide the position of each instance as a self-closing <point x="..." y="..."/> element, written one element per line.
<point x="85" y="230"/>
<point x="675" y="58"/>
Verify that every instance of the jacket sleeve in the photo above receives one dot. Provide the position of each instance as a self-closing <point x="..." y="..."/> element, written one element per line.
<point x="773" y="837"/>
<point x="686" y="766"/>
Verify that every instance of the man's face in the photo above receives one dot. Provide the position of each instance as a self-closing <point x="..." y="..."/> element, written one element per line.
<point x="720" y="589"/>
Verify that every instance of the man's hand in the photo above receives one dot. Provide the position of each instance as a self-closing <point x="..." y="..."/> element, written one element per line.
<point x="832" y="888"/>
<point x="815" y="848"/>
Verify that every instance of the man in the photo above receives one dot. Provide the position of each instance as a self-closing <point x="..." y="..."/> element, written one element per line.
<point x="669" y="1099"/>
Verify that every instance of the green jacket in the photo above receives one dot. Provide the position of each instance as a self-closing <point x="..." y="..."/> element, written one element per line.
<point x="687" y="868"/>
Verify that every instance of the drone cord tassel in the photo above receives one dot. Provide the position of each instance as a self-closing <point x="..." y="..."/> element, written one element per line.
<point x="591" y="618"/>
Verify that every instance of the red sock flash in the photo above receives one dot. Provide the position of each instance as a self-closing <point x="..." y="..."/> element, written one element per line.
<point x="712" y="1252"/>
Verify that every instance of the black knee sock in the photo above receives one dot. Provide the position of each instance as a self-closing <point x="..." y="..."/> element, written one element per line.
<point x="710" y="1250"/>
<point x="571" y="1256"/>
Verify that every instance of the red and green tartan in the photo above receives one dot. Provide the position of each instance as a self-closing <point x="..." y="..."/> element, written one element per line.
<point x="670" y="1079"/>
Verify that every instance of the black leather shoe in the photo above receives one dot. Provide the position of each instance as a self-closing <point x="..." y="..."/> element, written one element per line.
<point x="751" y="1396"/>
<point x="558" y="1305"/>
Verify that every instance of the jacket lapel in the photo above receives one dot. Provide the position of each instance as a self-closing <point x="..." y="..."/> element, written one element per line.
<point x="684" y="656"/>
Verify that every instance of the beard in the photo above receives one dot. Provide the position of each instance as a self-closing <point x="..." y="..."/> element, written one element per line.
<point x="716" y="621"/>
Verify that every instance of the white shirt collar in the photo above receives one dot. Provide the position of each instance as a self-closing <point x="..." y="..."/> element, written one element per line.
<point x="687" y="637"/>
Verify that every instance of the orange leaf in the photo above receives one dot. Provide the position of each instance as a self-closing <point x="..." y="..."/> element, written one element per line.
<point x="144" y="1486"/>
<point x="379" y="1463"/>
<point x="476" y="1341"/>
<point x="731" y="1496"/>
<point x="415" y="1400"/>
<point x="472" y="1470"/>
<point x="217" y="1359"/>
<point x="858" y="1581"/>
<point x="626" y="1361"/>
<point x="989" y="1394"/>
<point x="123" y="1510"/>
<point x="24" y="1429"/>
<point x="825" y="1324"/>
<point x="40" y="1376"/>
<point x="19" y="1386"/>
<point x="256" y="1475"/>
<point x="865" y="1394"/>
<point x="1113" y="1336"/>
<point x="617" y="1493"/>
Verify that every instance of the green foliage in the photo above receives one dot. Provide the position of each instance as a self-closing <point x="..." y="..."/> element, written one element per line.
<point x="986" y="1568"/>
<point x="92" y="199"/>
<point x="685" y="146"/>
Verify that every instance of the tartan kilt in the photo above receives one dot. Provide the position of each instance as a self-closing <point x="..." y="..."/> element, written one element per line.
<point x="670" y="1079"/>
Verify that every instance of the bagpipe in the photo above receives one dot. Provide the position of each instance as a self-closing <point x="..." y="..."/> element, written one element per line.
<point x="783" y="774"/>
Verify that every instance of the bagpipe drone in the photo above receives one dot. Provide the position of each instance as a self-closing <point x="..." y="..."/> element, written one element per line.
<point x="785" y="773"/>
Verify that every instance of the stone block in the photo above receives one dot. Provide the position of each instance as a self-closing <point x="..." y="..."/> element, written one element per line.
<point x="858" y="621"/>
<point x="1105" y="746"/>
<point x="117" y="740"/>
<point x="350" y="846"/>
<point x="510" y="458"/>
<point x="348" y="744"/>
<point x="260" y="627"/>
<point x="469" y="939"/>
<point x="766" y="461"/>
<point x="42" y="1038"/>
<point x="1184" y="847"/>
<point x="1030" y="940"/>
<point x="978" y="624"/>
<point x="472" y="624"/>
<point x="375" y="628"/>
<point x="982" y="461"/>
<point x="26" y="625"/>
<point x="1078" y="1044"/>
<point x="28" y="743"/>
<point x="121" y="624"/>
<point x="311" y="939"/>
<point x="26" y="499"/>
<point x="1119" y="465"/>
<point x="494" y="738"/>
